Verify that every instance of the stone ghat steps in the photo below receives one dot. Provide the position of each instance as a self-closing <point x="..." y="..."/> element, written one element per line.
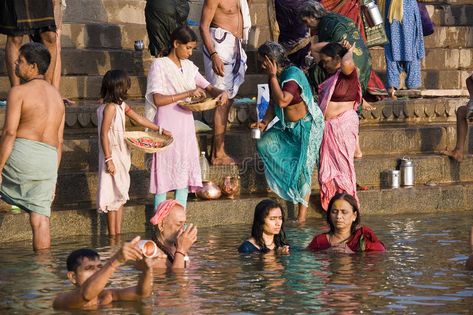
<point x="75" y="188"/>
<point x="82" y="117"/>
<point x="126" y="11"/>
<point x="435" y="58"/>
<point x="69" y="222"/>
<point x="99" y="61"/>
<point x="81" y="153"/>
<point x="88" y="86"/>
<point x="122" y="36"/>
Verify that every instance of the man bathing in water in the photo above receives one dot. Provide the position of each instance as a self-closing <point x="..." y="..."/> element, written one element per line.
<point x="30" y="146"/>
<point x="86" y="272"/>
<point x="224" y="26"/>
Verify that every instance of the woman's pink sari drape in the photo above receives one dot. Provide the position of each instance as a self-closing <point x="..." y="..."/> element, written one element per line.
<point x="337" y="168"/>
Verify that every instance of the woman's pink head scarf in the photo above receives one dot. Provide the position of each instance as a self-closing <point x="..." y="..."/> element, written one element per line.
<point x="163" y="210"/>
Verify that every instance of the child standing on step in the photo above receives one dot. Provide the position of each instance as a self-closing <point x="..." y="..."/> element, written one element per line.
<point x="114" y="156"/>
<point x="172" y="79"/>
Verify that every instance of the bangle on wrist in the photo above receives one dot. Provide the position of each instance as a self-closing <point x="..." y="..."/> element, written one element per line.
<point x="108" y="160"/>
<point x="186" y="258"/>
<point x="172" y="98"/>
<point x="212" y="54"/>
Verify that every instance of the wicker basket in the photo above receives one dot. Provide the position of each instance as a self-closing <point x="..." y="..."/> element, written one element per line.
<point x="165" y="140"/>
<point x="206" y="104"/>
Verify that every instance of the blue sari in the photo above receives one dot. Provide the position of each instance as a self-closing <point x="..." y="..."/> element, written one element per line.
<point x="290" y="150"/>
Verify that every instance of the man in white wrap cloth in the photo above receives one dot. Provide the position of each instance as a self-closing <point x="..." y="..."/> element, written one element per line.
<point x="224" y="26"/>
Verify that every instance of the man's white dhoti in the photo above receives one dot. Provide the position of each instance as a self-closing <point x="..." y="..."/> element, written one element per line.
<point x="230" y="51"/>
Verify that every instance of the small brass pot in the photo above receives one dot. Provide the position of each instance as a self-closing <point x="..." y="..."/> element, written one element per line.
<point x="230" y="186"/>
<point x="209" y="191"/>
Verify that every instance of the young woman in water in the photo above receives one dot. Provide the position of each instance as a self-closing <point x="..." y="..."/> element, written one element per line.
<point x="345" y="233"/>
<point x="267" y="233"/>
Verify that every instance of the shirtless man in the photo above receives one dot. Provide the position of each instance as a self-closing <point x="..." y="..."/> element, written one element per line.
<point x="30" y="146"/>
<point x="86" y="272"/>
<point x="223" y="27"/>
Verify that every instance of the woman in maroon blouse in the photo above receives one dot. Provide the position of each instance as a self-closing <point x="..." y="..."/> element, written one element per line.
<point x="346" y="235"/>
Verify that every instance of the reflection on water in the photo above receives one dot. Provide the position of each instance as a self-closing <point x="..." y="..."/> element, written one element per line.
<point x="422" y="272"/>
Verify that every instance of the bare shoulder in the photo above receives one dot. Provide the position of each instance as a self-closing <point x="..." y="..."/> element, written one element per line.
<point x="110" y="108"/>
<point x="212" y="2"/>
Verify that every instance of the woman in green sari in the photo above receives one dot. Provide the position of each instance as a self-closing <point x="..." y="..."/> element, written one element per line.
<point x="290" y="148"/>
<point x="333" y="27"/>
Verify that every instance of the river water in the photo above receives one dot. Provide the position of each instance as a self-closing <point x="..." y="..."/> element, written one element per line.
<point x="422" y="272"/>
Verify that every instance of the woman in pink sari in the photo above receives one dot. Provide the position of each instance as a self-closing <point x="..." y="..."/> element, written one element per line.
<point x="339" y="97"/>
<point x="172" y="79"/>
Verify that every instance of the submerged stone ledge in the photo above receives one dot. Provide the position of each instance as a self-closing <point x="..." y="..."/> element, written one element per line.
<point x="69" y="223"/>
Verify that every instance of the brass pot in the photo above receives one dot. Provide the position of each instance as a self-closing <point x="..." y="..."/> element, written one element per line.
<point x="208" y="191"/>
<point x="230" y="186"/>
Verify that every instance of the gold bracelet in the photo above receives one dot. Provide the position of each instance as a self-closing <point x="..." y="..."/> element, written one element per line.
<point x="172" y="98"/>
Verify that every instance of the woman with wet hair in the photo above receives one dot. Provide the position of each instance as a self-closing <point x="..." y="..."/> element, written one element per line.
<point x="290" y="148"/>
<point x="267" y="233"/>
<point x="346" y="234"/>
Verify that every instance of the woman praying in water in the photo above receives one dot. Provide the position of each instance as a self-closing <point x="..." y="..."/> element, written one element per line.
<point x="345" y="233"/>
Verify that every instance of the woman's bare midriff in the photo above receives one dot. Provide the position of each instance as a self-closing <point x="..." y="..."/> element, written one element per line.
<point x="335" y="109"/>
<point x="295" y="112"/>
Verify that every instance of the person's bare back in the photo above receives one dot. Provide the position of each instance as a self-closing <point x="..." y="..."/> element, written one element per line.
<point x="228" y="16"/>
<point x="42" y="112"/>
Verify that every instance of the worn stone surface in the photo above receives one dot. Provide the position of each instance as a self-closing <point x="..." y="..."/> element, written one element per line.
<point x="67" y="223"/>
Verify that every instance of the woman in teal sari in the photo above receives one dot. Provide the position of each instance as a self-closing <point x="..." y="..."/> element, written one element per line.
<point x="290" y="148"/>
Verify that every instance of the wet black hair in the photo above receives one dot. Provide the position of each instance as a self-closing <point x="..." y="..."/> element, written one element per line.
<point x="333" y="50"/>
<point x="353" y="203"/>
<point x="75" y="258"/>
<point x="36" y="53"/>
<point x="115" y="86"/>
<point x="275" y="52"/>
<point x="261" y="212"/>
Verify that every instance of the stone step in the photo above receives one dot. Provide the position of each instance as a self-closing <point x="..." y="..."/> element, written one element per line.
<point x="81" y="153"/>
<point x="434" y="169"/>
<point x="99" y="61"/>
<point x="438" y="79"/>
<point x="81" y="119"/>
<point x="122" y="36"/>
<point x="449" y="13"/>
<point x="69" y="222"/>
<point x="435" y="59"/>
<point x="88" y="86"/>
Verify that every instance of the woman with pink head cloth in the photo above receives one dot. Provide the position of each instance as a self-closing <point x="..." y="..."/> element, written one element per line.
<point x="172" y="237"/>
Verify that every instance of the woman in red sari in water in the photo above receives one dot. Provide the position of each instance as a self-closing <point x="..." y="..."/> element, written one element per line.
<point x="346" y="235"/>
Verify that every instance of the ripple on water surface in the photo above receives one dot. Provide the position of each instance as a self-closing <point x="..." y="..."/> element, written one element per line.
<point x="422" y="272"/>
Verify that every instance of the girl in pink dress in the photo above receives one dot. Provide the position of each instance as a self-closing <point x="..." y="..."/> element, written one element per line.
<point x="172" y="79"/>
<point x="114" y="156"/>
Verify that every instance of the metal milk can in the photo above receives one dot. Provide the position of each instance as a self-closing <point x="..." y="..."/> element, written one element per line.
<point x="393" y="179"/>
<point x="372" y="14"/>
<point x="407" y="172"/>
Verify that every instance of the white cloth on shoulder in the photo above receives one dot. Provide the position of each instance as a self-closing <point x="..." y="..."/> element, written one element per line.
<point x="245" y="13"/>
<point x="184" y="80"/>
